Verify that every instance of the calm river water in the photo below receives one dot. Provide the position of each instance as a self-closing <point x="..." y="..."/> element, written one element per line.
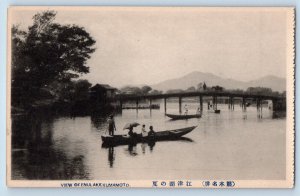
<point x="230" y="145"/>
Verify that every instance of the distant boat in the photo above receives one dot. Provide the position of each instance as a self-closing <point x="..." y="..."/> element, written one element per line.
<point x="217" y="111"/>
<point x="214" y="111"/>
<point x="180" y="117"/>
<point x="153" y="106"/>
<point x="159" y="136"/>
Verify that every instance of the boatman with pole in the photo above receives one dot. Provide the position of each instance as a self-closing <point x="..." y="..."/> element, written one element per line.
<point x="111" y="125"/>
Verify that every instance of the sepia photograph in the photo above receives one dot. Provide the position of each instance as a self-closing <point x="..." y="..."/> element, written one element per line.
<point x="154" y="97"/>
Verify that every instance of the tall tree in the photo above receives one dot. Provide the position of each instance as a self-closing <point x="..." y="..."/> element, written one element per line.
<point x="259" y="90"/>
<point x="48" y="52"/>
<point x="191" y="89"/>
<point x="131" y="90"/>
<point x="146" y="89"/>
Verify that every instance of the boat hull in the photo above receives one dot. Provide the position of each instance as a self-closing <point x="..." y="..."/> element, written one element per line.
<point x="181" y="117"/>
<point x="217" y="111"/>
<point x="159" y="136"/>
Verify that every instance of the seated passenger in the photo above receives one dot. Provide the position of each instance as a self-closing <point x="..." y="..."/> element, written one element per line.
<point x="144" y="132"/>
<point x="151" y="132"/>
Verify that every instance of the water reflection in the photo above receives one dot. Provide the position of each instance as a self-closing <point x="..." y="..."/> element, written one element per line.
<point x="278" y="114"/>
<point x="132" y="149"/>
<point x="33" y="152"/>
<point x="51" y="147"/>
<point x="151" y="144"/>
<point x="259" y="115"/>
<point x="111" y="156"/>
<point x="143" y="146"/>
<point x="244" y="116"/>
<point x="99" y="120"/>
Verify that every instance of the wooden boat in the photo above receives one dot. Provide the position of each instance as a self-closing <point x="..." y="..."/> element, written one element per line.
<point x="214" y="111"/>
<point x="180" y="117"/>
<point x="217" y="111"/>
<point x="159" y="136"/>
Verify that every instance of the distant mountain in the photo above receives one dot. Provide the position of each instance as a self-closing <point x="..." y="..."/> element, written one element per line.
<point x="273" y="82"/>
<point x="194" y="78"/>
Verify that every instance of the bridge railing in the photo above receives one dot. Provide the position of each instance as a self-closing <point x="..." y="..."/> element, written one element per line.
<point x="244" y="94"/>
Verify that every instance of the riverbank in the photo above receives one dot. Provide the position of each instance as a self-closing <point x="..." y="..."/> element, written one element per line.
<point x="78" y="108"/>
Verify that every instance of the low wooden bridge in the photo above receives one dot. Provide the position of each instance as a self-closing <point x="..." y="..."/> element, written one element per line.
<point x="278" y="101"/>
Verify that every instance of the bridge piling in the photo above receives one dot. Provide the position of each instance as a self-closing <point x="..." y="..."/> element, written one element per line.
<point x="201" y="102"/>
<point x="180" y="101"/>
<point x="259" y="106"/>
<point x="215" y="102"/>
<point x="165" y="105"/>
<point x="228" y="102"/>
<point x="279" y="101"/>
<point x="244" y="104"/>
<point x="137" y="104"/>
<point x="150" y="104"/>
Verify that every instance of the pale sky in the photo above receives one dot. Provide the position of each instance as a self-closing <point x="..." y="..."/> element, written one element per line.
<point x="150" y="45"/>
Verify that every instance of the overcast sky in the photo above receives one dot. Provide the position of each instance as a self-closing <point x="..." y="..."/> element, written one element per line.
<point x="150" y="45"/>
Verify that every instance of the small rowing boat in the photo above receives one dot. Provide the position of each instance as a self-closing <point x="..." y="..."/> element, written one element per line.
<point x="217" y="111"/>
<point x="214" y="111"/>
<point x="158" y="136"/>
<point x="180" y="117"/>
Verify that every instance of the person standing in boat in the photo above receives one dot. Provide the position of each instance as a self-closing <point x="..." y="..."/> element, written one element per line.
<point x="198" y="110"/>
<point x="111" y="125"/>
<point x="186" y="109"/>
<point x="144" y="132"/>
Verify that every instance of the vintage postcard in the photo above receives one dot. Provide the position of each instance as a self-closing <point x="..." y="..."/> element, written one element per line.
<point x="155" y="97"/>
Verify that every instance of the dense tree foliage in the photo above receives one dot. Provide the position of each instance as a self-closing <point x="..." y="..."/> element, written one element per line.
<point x="70" y="91"/>
<point x="217" y="88"/>
<point x="131" y="90"/>
<point x="259" y="90"/>
<point x="200" y="86"/>
<point x="146" y="89"/>
<point x="155" y="92"/>
<point x="47" y="53"/>
<point x="138" y="91"/>
<point x="174" y="91"/>
<point x="191" y="89"/>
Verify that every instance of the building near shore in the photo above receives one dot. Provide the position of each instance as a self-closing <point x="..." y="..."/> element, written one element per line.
<point x="102" y="93"/>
